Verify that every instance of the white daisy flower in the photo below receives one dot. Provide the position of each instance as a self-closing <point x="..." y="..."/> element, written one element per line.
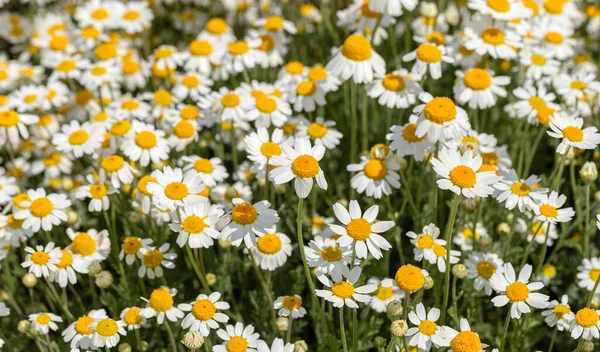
<point x="428" y="59"/>
<point x="154" y="259"/>
<point x="376" y="176"/>
<point x="172" y="189"/>
<point x="342" y="290"/>
<point x="98" y="191"/>
<point x="404" y="140"/>
<point x="135" y="17"/>
<point x="519" y="192"/>
<point x="361" y="230"/>
<point x="278" y="345"/>
<point x="469" y="234"/>
<point x="538" y="63"/>
<point x="306" y="96"/>
<point x="272" y="249"/>
<point x="145" y="144"/>
<point x="204" y="313"/>
<point x="132" y="317"/>
<point x="464" y="341"/>
<point x="536" y="231"/>
<point x="41" y="261"/>
<point x="107" y="332"/>
<point x="426" y="327"/>
<point x="500" y="10"/>
<point x="440" y="119"/>
<point x="118" y="170"/>
<point x="555" y="39"/>
<point x="42" y="211"/>
<point x="386" y="293"/>
<point x="238" y="338"/>
<point x="301" y="164"/>
<point x="588" y="273"/>
<point x="486" y="37"/>
<point x="201" y="54"/>
<point x="558" y="314"/>
<point x="547" y="208"/>
<point x="570" y="130"/>
<point x="269" y="110"/>
<point x="327" y="255"/>
<point x="480" y="267"/>
<point x="479" y="88"/>
<point x="585" y="324"/>
<point x="357" y="60"/>
<point x="69" y="265"/>
<point x="247" y="220"/>
<point x="160" y="305"/>
<point x="261" y="148"/>
<point x="92" y="245"/>
<point x="320" y="226"/>
<point x="80" y="333"/>
<point x="322" y="132"/>
<point x="396" y="89"/>
<point x="517" y="291"/>
<point x="131" y="246"/>
<point x="78" y="139"/>
<point x="392" y="7"/>
<point x="532" y="99"/>
<point x="319" y="75"/>
<point x="289" y="306"/>
<point x="196" y="224"/>
<point x="44" y="322"/>
<point x="424" y="242"/>
<point x="576" y="86"/>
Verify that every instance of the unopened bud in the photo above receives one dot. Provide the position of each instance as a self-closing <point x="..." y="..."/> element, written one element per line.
<point x="192" y="340"/>
<point x="428" y="9"/>
<point x="4" y="296"/>
<point x="280" y="189"/>
<point x="469" y="204"/>
<point x="394" y="308"/>
<point x="503" y="228"/>
<point x="595" y="302"/>
<point x="428" y="284"/>
<point x="211" y="279"/>
<point x="588" y="346"/>
<point x="282" y="324"/>
<point x="144" y="345"/>
<point x="460" y="271"/>
<point x="124" y="347"/>
<point x="104" y="279"/>
<point x="94" y="269"/>
<point x="72" y="217"/>
<point x="224" y="243"/>
<point x="452" y="15"/>
<point x="589" y="172"/>
<point x="399" y="328"/>
<point x="300" y="346"/>
<point x="486" y="242"/>
<point x="343" y="202"/>
<point x="29" y="280"/>
<point x="23" y="326"/>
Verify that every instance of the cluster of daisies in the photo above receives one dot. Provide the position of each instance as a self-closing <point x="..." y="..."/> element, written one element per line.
<point x="219" y="169"/>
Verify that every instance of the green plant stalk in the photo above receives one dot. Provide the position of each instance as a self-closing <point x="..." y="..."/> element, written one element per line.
<point x="449" y="231"/>
<point x="506" y="323"/>
<point x="553" y="338"/>
<point x="171" y="337"/>
<point x="524" y="260"/>
<point x="586" y="226"/>
<point x="265" y="287"/>
<point x="343" y="330"/>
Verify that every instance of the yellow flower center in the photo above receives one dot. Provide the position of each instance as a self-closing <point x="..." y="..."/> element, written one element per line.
<point x="143" y="183"/>
<point x="538" y="60"/>
<point x="393" y="82"/>
<point x="427" y="327"/>
<point x="366" y="12"/>
<point x="477" y="79"/>
<point x="230" y="100"/>
<point x="463" y="176"/>
<point x="83" y="244"/>
<point x="560" y="310"/>
<point x="184" y="130"/>
<point x="194" y="224"/>
<point x="409" y="278"/>
<point x="289" y="129"/>
<point x="237" y="344"/>
<point x="163" y="97"/>
<point x="305" y="166"/>
<point x="440" y="110"/>
<point x="190" y="81"/>
<point x="41" y="207"/>
<point x="375" y="169"/>
<point x="409" y="133"/>
<point x="549" y="271"/>
<point x="266" y="105"/>
<point x="189" y="112"/>
<point x="267" y="44"/>
<point x="316" y="130"/>
<point x="66" y="260"/>
<point x="517" y="292"/>
<point x="99" y="14"/>
<point x="466" y="341"/>
<point x="163" y="53"/>
<point x="244" y="214"/>
<point x="12" y="222"/>
<point x="292" y="302"/>
<point x="594" y="273"/>
<point x="153" y="258"/>
<point x="536" y="102"/>
<point x="306" y="88"/>
<point x="30" y="98"/>
<point x="107" y="327"/>
<point x="587" y="318"/>
<point x="331" y="254"/>
<point x="201" y="48"/>
<point x="216" y="26"/>
<point x="359" y="229"/>
<point x="384" y="293"/>
<point x="40" y="258"/>
<point x="554" y="37"/>
<point x="82" y="325"/>
<point x="425" y="241"/>
<point x="554" y="7"/>
<point x="106" y="51"/>
<point x="294" y="67"/>
<point x="357" y="48"/>
<point x="429" y="53"/>
<point x="578" y="85"/>
<point x="493" y="36"/>
<point x="439" y="250"/>
<point x="274" y="23"/>
<point x="130" y="67"/>
<point x="131" y="245"/>
<point x="548" y="210"/>
<point x="342" y="289"/>
<point x="204" y="309"/>
<point x="499" y="5"/>
<point x="98" y="191"/>
<point x="119" y="128"/>
<point x="436" y="38"/>
<point x="113" y="163"/>
<point x="52" y="159"/>
<point x="238" y="48"/>
<point x="270" y="149"/>
<point x="581" y="58"/>
<point x="317" y="73"/>
<point x="485" y="269"/>
<point x="66" y="65"/>
<point x="132" y="316"/>
<point x="176" y="191"/>
<point x="269" y="244"/>
<point x="98" y="71"/>
<point x="131" y="15"/>
<point x="43" y="319"/>
<point x="145" y="140"/>
<point x="78" y="137"/>
<point x="520" y="188"/>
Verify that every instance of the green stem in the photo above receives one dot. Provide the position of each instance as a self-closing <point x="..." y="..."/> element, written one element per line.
<point x="506" y="323"/>
<point x="342" y="330"/>
<point x="544" y="248"/>
<point x="586" y="225"/>
<point x="288" y="337"/>
<point x="593" y="292"/>
<point x="449" y="230"/>
<point x="171" y="337"/>
<point x="197" y="269"/>
<point x="561" y="167"/>
<point x="354" y="331"/>
<point x="533" y="150"/>
<point x="365" y="123"/>
<point x="553" y="338"/>
<point x="524" y="260"/>
<point x="265" y="287"/>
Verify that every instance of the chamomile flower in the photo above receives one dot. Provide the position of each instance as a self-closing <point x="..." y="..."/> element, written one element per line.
<point x="428" y="58"/>
<point x="92" y="245"/>
<point x="537" y="231"/>
<point x="289" y="306"/>
<point x="327" y="255"/>
<point x="361" y="230"/>
<point x="558" y="314"/>
<point x="242" y="54"/>
<point x="585" y="324"/>
<point x="44" y="322"/>
<point x="320" y="226"/>
<point x="172" y="189"/>
<point x="570" y="130"/>
<point x="480" y="268"/>
<point x="425" y="327"/>
<point x="469" y="234"/>
<point x="357" y="60"/>
<point x="322" y="132"/>
<point x="396" y="89"/>
<point x="78" y="138"/>
<point x="107" y="332"/>
<point x="210" y="171"/>
<point x="574" y="87"/>
<point x="238" y="338"/>
<point x="306" y="96"/>
<point x="161" y="305"/>
<point x="79" y="333"/>
<point x="301" y="164"/>
<point x="272" y="249"/>
<point x="404" y="140"/>
<point x="588" y="272"/>
<point x="459" y="173"/>
<point x="532" y="99"/>
<point x="201" y="54"/>
<point x="131" y="246"/>
<point x="154" y="259"/>
<point x="538" y="63"/>
<point x="386" y="293"/>
<point x="500" y="10"/>
<point x="376" y="176"/>
<point x="486" y="37"/>
<point x="342" y="290"/>
<point x="132" y="317"/>
<point x="517" y="291"/>
<point x="424" y="242"/>
<point x="246" y="220"/>
<point x="555" y="39"/>
<point x="97" y="13"/>
<point x="145" y="144"/>
<point x="547" y="208"/>
<point x="135" y="17"/>
<point x="440" y="119"/>
<point x="479" y="88"/>
<point x="269" y="110"/>
<point x="464" y="340"/>
<point x="261" y="148"/>
<point x="118" y="170"/>
<point x="41" y="261"/>
<point x="196" y="224"/>
<point x="13" y="126"/>
<point x="42" y="211"/>
<point x="204" y="313"/>
<point x="323" y="79"/>
<point x="519" y="192"/>
<point x="69" y="265"/>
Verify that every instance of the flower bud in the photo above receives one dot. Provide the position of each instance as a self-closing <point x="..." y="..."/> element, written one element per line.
<point x="597" y="196"/>
<point x="428" y="284"/>
<point x="486" y="242"/>
<point x="211" y="279"/>
<point x="460" y="271"/>
<point x="428" y="9"/>
<point x="343" y="202"/>
<point x="510" y="217"/>
<point x="503" y="228"/>
<point x="104" y="279"/>
<point x="192" y="340"/>
<point x="399" y="328"/>
<point x="23" y="326"/>
<point x="280" y="189"/>
<point x="588" y="346"/>
<point x="401" y="161"/>
<point x="589" y="172"/>
<point x="595" y="302"/>
<point x="72" y="217"/>
<point x="94" y="269"/>
<point x="571" y="155"/>
<point x="144" y="345"/>
<point x="394" y="308"/>
<point x="452" y="15"/>
<point x="282" y="324"/>
<point x="224" y="243"/>
<point x="231" y="193"/>
<point x="159" y="165"/>
<point x="67" y="183"/>
<point x="29" y="280"/>
<point x="300" y="346"/>
<point x="4" y="295"/>
<point x="469" y="204"/>
<point x="124" y="347"/>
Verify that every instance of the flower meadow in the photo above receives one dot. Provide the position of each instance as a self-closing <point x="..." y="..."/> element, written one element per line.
<point x="293" y="176"/>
